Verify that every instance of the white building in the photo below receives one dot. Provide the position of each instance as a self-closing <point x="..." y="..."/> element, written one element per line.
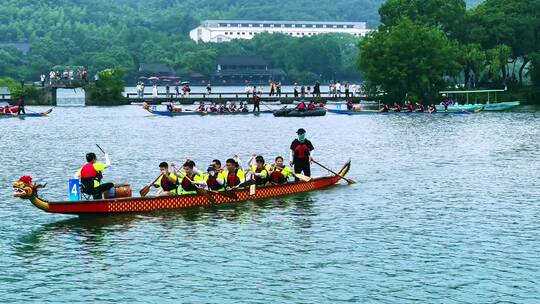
<point x="226" y="30"/>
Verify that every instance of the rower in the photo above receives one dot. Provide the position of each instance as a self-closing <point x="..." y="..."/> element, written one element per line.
<point x="190" y="179"/>
<point x="409" y="107"/>
<point x="396" y="108"/>
<point x="170" y="106"/>
<point x="232" y="107"/>
<point x="259" y="170"/>
<point x="419" y="107"/>
<point x="432" y="108"/>
<point x="214" y="179"/>
<point x="301" y="153"/>
<point x="213" y="107"/>
<point x="301" y="106"/>
<point x="311" y="106"/>
<point x="279" y="173"/>
<point x="201" y="107"/>
<point x="222" y="108"/>
<point x="350" y="105"/>
<point x="384" y="108"/>
<point x="235" y="175"/>
<point x="245" y="108"/>
<point x="91" y="174"/>
<point x="167" y="182"/>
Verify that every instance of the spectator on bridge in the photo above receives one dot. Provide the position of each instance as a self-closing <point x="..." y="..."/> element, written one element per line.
<point x="278" y="89"/>
<point x="52" y="77"/>
<point x="167" y="90"/>
<point x="155" y="91"/>
<point x="209" y="88"/>
<point x="308" y="91"/>
<point x="96" y="78"/>
<point x="303" y="91"/>
<point x="354" y="89"/>
<point x="42" y="80"/>
<point x="84" y="75"/>
<point x="247" y="89"/>
<point x="176" y="90"/>
<point x="295" y="90"/>
<point x="317" y="89"/>
<point x="338" y="89"/>
<point x="346" y="89"/>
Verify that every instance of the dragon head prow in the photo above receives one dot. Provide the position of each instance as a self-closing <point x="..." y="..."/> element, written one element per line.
<point x="24" y="188"/>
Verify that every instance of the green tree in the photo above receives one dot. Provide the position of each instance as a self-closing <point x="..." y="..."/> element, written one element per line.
<point x="472" y="59"/>
<point x="108" y="90"/>
<point x="449" y="15"/>
<point x="512" y="23"/>
<point x="408" y="58"/>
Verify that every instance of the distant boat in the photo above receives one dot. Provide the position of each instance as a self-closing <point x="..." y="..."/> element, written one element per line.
<point x="488" y="106"/>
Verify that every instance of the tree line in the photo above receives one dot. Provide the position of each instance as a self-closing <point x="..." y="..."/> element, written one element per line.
<point x="423" y="46"/>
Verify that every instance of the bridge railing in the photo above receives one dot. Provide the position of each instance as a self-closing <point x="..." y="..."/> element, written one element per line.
<point x="239" y="95"/>
<point x="5" y="97"/>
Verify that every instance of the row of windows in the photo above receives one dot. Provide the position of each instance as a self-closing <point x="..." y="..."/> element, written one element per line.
<point x="292" y="34"/>
<point x="285" y="25"/>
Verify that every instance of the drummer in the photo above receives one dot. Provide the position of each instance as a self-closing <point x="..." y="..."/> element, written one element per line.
<point x="91" y="174"/>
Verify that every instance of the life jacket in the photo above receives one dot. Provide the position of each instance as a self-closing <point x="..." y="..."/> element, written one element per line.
<point x="301" y="106"/>
<point x="311" y="107"/>
<point x="213" y="183"/>
<point x="260" y="179"/>
<point x="167" y="185"/>
<point x="410" y="107"/>
<point x="301" y="151"/>
<point x="277" y="176"/>
<point x="232" y="179"/>
<point x="90" y="177"/>
<point x="187" y="185"/>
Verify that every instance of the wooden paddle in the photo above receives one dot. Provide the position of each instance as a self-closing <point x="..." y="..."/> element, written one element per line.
<point x="144" y="191"/>
<point x="302" y="177"/>
<point x="349" y="181"/>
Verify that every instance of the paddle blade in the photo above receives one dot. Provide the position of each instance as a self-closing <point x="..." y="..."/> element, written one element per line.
<point x="144" y="191"/>
<point x="302" y="177"/>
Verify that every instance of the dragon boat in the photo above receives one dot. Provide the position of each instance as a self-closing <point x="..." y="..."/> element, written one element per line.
<point x="11" y="115"/>
<point x="369" y="112"/>
<point x="184" y="112"/>
<point x="26" y="189"/>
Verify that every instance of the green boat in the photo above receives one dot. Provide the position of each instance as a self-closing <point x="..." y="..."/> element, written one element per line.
<point x="499" y="106"/>
<point x="465" y="95"/>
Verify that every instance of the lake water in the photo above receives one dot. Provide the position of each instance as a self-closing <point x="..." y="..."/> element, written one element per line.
<point x="446" y="210"/>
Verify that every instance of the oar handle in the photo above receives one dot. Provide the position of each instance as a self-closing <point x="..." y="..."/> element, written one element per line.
<point x="100" y="149"/>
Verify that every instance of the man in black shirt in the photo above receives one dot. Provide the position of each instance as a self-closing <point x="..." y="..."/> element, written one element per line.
<point x="301" y="153"/>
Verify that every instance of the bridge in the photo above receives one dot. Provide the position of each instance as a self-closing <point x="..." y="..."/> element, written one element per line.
<point x="222" y="97"/>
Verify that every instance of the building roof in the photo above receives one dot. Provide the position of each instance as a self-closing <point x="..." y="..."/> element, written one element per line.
<point x="241" y="60"/>
<point x="283" y="22"/>
<point x="155" y="68"/>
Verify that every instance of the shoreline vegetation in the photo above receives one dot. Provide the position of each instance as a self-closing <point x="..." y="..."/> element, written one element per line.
<point x="426" y="46"/>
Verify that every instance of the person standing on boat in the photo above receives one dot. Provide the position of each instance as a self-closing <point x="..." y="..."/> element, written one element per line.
<point x="256" y="102"/>
<point x="20" y="103"/>
<point x="91" y="174"/>
<point x="167" y="182"/>
<point x="301" y="153"/>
